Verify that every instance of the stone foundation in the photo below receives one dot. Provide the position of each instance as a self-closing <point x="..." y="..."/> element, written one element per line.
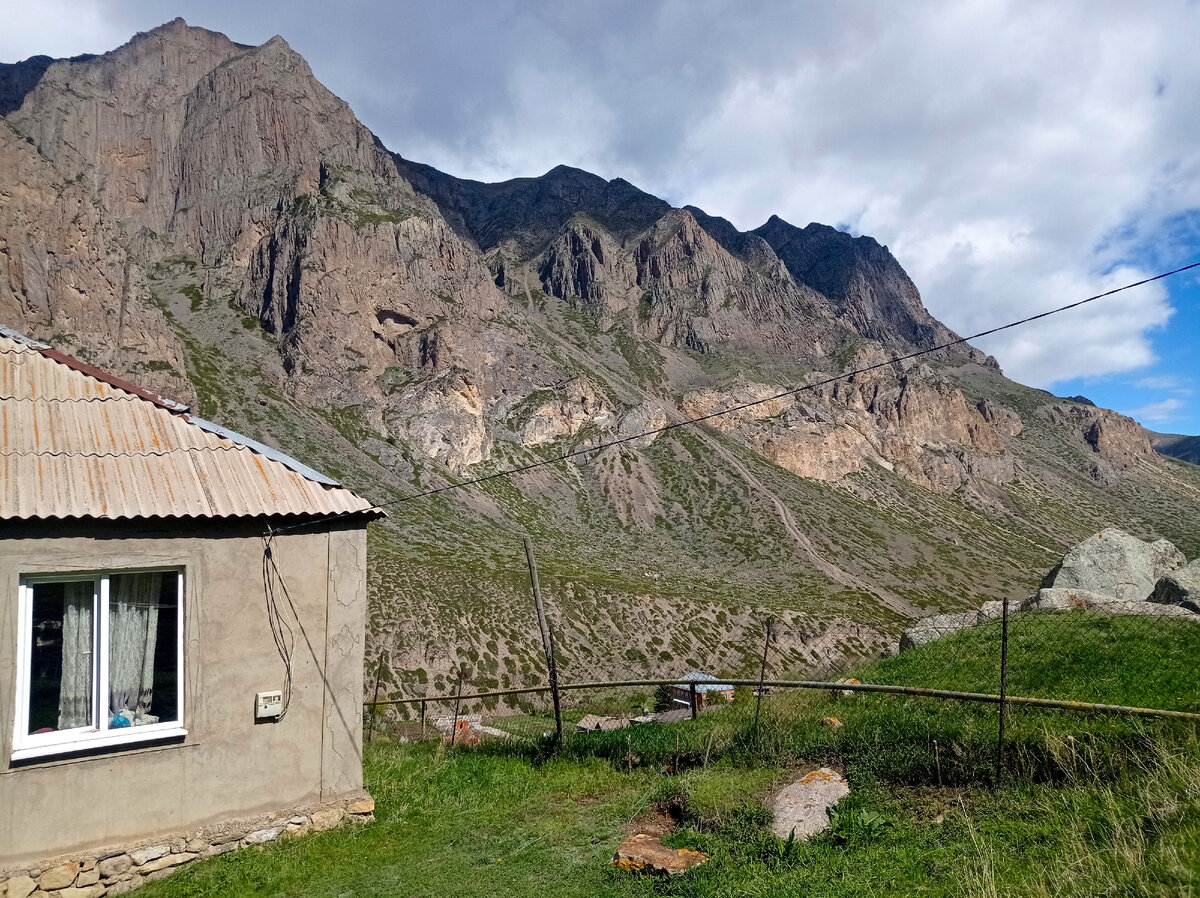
<point x="117" y="870"/>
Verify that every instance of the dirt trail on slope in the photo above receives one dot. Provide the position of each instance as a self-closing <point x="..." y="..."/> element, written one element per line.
<point x="786" y="518"/>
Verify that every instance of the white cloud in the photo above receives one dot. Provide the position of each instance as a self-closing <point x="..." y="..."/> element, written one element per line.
<point x="58" y="28"/>
<point x="1015" y="155"/>
<point x="1164" y="410"/>
<point x="1168" y="382"/>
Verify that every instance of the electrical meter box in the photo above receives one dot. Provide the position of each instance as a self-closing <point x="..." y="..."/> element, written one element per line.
<point x="268" y="705"/>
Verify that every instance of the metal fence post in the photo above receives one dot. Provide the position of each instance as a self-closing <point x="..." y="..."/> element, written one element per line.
<point x="762" y="673"/>
<point x="422" y="719"/>
<point x="1003" y="689"/>
<point x="692" y="700"/>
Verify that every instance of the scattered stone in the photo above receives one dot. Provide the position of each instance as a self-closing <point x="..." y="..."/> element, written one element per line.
<point x="848" y="692"/>
<point x="831" y="722"/>
<point x="113" y="866"/>
<point x="151" y="853"/>
<point x="646" y="853"/>
<point x="361" y="806"/>
<point x="803" y="806"/>
<point x="58" y="877"/>
<point x="195" y="846"/>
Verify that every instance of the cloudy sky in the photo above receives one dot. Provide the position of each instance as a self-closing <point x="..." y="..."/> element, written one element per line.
<point x="1014" y="155"/>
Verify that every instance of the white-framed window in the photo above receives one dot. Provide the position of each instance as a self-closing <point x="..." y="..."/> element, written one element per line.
<point x="99" y="660"/>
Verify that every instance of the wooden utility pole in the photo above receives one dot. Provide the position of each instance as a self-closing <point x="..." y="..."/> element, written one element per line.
<point x="457" y="703"/>
<point x="375" y="701"/>
<point x="547" y="638"/>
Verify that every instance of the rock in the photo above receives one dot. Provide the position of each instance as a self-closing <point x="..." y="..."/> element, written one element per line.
<point x="1167" y="558"/>
<point x="20" y="887"/>
<point x="832" y="722"/>
<point x="87" y="878"/>
<point x="1082" y="600"/>
<point x="1111" y="563"/>
<point x="995" y="610"/>
<point x="162" y="863"/>
<point x="126" y="885"/>
<point x="803" y="806"/>
<point x="933" y="628"/>
<point x="327" y="818"/>
<point x="647" y="853"/>
<point x="361" y="806"/>
<point x="1179" y="587"/>
<point x="150" y="853"/>
<point x="262" y="836"/>
<point x="92" y="891"/>
<point x="195" y="846"/>
<point x="58" y="877"/>
<point x="1068" y="600"/>
<point x="114" y="866"/>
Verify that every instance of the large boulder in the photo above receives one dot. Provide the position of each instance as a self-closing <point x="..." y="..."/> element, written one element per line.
<point x="1082" y="600"/>
<point x="1181" y="587"/>
<point x="1113" y="563"/>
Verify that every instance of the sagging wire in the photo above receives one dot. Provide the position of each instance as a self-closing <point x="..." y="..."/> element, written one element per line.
<point x="281" y="628"/>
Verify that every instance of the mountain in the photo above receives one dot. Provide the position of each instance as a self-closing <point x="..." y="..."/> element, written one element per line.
<point x="207" y="219"/>
<point x="1176" y="445"/>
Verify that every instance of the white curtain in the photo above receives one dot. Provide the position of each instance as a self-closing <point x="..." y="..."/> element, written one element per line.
<point x="133" y="633"/>
<point x="75" y="690"/>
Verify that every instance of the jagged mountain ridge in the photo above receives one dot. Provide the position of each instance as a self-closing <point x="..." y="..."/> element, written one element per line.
<point x="206" y="218"/>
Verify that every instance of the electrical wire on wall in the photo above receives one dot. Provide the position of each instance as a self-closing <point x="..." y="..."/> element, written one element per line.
<point x="278" y="616"/>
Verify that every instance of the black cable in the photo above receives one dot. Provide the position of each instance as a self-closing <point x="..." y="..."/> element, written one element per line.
<point x="508" y="472"/>
<point x="281" y="630"/>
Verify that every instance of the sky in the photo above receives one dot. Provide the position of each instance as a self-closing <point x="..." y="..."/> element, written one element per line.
<point x="1015" y="156"/>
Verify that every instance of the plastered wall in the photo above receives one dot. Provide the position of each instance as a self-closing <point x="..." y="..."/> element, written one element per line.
<point x="228" y="765"/>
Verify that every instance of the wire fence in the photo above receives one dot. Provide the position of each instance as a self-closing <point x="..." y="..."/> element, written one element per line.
<point x="966" y="690"/>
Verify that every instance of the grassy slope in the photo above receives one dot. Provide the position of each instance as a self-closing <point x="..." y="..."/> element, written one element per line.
<point x="1091" y="806"/>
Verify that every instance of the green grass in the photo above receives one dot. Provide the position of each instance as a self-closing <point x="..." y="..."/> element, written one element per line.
<point x="1089" y="805"/>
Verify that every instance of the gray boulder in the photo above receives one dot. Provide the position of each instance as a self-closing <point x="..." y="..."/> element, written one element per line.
<point x="1181" y="587"/>
<point x="1113" y="563"/>
<point x="929" y="629"/>
<point x="1082" y="600"/>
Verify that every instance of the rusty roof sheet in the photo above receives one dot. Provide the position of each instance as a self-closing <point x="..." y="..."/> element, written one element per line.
<point x="76" y="443"/>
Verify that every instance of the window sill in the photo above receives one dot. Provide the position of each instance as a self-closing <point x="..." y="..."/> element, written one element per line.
<point x="97" y="742"/>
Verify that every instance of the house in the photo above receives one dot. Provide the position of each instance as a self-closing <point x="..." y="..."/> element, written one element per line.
<point x="182" y="618"/>
<point x="596" y="723"/>
<point x="708" y="689"/>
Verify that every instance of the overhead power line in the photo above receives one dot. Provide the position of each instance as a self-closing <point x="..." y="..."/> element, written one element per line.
<point x="520" y="469"/>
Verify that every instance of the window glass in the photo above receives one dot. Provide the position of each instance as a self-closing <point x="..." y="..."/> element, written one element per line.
<point x="61" y="656"/>
<point x="143" y="623"/>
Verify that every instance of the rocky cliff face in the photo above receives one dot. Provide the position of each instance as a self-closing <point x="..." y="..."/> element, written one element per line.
<point x="207" y="219"/>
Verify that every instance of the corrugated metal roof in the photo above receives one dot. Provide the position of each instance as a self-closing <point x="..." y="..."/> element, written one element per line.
<point x="77" y="443"/>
